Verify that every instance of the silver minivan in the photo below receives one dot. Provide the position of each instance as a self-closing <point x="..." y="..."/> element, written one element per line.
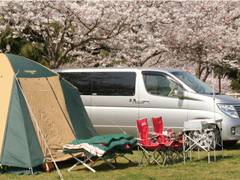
<point x="116" y="97"/>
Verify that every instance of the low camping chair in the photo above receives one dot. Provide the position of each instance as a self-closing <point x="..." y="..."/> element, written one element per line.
<point x="105" y="147"/>
<point x="169" y="139"/>
<point x="151" y="149"/>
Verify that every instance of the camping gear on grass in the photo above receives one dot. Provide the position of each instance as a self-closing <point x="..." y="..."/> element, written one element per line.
<point x="172" y="142"/>
<point x="39" y="113"/>
<point x="153" y="152"/>
<point x="102" y="147"/>
<point x="202" y="135"/>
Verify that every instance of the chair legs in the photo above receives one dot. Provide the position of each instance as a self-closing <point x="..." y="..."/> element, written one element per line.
<point x="171" y="155"/>
<point x="88" y="158"/>
<point x="88" y="162"/>
<point x="129" y="160"/>
<point x="156" y="156"/>
<point x="81" y="162"/>
<point x="109" y="163"/>
<point x="162" y="156"/>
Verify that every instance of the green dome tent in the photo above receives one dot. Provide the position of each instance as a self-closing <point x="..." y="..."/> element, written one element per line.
<point x="39" y="111"/>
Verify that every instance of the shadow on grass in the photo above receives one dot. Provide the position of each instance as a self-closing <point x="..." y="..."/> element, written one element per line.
<point x="105" y="167"/>
<point x="218" y="158"/>
<point x="99" y="166"/>
<point x="232" y="146"/>
<point x="102" y="166"/>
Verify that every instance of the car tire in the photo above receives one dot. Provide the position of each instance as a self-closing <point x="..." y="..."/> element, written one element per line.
<point x="229" y="143"/>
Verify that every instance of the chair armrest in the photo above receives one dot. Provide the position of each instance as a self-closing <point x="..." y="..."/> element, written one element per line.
<point x="151" y="138"/>
<point x="155" y="134"/>
<point x="170" y="135"/>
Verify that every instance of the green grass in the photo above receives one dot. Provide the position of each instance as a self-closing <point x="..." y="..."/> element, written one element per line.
<point x="224" y="168"/>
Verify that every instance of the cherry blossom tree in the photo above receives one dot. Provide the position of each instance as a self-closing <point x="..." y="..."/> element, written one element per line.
<point x="203" y="34"/>
<point x="61" y="31"/>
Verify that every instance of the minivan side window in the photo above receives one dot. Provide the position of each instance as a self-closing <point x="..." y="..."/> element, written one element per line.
<point x="103" y="83"/>
<point x="81" y="80"/>
<point x="159" y="84"/>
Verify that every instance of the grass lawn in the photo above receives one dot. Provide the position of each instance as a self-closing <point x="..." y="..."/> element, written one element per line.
<point x="226" y="168"/>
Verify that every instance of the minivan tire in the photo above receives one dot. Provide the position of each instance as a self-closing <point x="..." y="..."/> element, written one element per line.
<point x="229" y="144"/>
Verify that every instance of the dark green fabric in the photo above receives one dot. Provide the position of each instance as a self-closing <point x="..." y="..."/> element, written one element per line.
<point x="20" y="171"/>
<point x="21" y="147"/>
<point x="111" y="143"/>
<point x="80" y="121"/>
<point x="120" y="146"/>
<point x="26" y="68"/>
<point x="117" y="146"/>
<point x="102" y="139"/>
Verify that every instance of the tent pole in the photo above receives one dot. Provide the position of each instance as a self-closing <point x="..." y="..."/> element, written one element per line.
<point x="35" y="121"/>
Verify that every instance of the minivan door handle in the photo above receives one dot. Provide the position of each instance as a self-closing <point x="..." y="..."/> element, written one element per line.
<point x="142" y="101"/>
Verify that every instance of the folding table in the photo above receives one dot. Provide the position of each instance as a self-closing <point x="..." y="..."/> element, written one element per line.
<point x="200" y="134"/>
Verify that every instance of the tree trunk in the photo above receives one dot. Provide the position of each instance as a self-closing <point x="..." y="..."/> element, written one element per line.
<point x="198" y="70"/>
<point x="219" y="84"/>
<point x="206" y="74"/>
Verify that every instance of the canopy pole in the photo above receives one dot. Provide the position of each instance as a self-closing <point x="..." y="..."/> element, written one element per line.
<point x="213" y="94"/>
<point x="44" y="140"/>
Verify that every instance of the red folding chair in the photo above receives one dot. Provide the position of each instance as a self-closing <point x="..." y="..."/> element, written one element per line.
<point x="158" y="126"/>
<point x="152" y="150"/>
<point x="170" y="140"/>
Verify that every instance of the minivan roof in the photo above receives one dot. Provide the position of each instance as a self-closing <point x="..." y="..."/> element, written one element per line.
<point x="116" y="69"/>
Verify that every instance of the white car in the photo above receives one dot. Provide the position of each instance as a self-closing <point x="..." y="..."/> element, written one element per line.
<point x="116" y="97"/>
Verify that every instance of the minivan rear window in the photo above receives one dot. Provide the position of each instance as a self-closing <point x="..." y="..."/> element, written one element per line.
<point x="103" y="83"/>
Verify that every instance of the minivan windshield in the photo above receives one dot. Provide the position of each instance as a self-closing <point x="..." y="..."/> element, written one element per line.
<point x="194" y="83"/>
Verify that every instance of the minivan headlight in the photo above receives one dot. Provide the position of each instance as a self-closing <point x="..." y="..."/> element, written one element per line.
<point x="229" y="110"/>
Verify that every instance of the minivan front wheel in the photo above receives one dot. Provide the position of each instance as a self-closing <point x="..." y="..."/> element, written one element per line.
<point x="230" y="143"/>
<point x="218" y="138"/>
<point x="226" y="144"/>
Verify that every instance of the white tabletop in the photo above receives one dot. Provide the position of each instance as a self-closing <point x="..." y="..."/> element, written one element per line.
<point x="198" y="124"/>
